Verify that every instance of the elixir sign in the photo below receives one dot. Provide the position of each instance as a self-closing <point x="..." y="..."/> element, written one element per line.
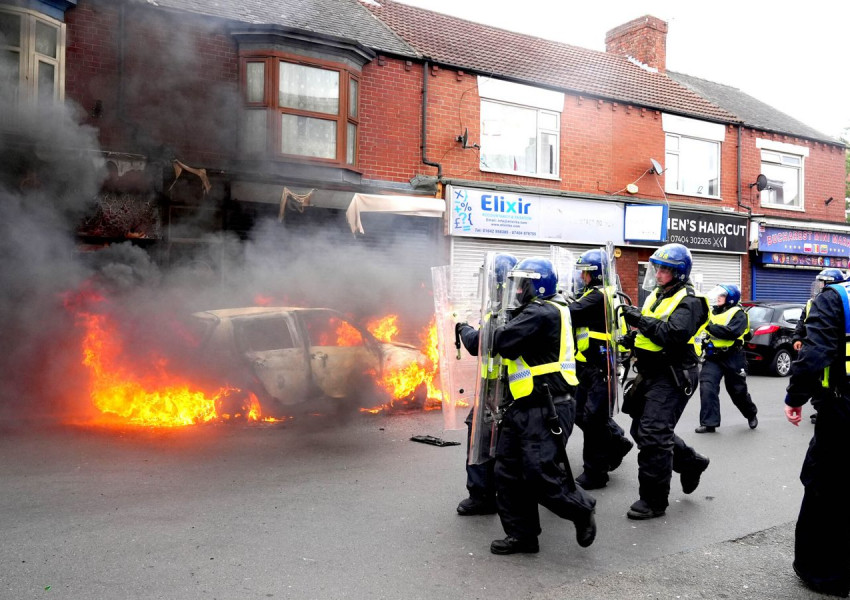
<point x="716" y="232"/>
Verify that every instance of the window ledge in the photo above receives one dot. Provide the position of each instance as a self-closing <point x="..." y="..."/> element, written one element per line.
<point x="784" y="207"/>
<point x="720" y="198"/>
<point x="520" y="174"/>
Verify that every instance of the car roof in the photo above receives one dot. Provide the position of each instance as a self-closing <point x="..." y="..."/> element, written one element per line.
<point x="771" y="303"/>
<point x="249" y="311"/>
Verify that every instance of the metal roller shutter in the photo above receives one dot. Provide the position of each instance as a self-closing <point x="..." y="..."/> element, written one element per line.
<point x="715" y="269"/>
<point x="784" y="285"/>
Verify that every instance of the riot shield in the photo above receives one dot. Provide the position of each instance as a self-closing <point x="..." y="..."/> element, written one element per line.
<point x="564" y="263"/>
<point x="615" y="326"/>
<point x="456" y="366"/>
<point x="491" y="386"/>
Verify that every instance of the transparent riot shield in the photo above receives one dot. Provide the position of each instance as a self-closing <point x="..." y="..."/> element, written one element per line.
<point x="457" y="367"/>
<point x="615" y="325"/>
<point x="491" y="385"/>
<point x="564" y="263"/>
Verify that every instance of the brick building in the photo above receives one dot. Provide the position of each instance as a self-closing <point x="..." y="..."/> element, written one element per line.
<point x="224" y="115"/>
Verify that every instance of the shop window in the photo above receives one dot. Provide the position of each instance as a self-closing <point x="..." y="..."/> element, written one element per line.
<point x="520" y="129"/>
<point x="32" y="57"/>
<point x="298" y="109"/>
<point x="692" y="156"/>
<point x="784" y="172"/>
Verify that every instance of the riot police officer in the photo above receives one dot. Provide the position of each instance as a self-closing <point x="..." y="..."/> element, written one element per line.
<point x="605" y="443"/>
<point x="726" y="331"/>
<point x="667" y="366"/>
<point x="822" y="373"/>
<point x="824" y="278"/>
<point x="480" y="481"/>
<point x="536" y="345"/>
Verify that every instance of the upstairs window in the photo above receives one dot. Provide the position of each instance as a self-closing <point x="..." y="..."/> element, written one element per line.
<point x="692" y="156"/>
<point x="782" y="164"/>
<point x="296" y="109"/>
<point x="520" y="129"/>
<point x="32" y="57"/>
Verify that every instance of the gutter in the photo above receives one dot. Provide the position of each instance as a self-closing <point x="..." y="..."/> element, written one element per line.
<point x="424" y="144"/>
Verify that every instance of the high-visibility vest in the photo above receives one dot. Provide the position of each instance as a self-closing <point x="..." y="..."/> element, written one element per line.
<point x="723" y="319"/>
<point x="843" y="290"/>
<point x="585" y="334"/>
<point x="662" y="312"/>
<point x="521" y="376"/>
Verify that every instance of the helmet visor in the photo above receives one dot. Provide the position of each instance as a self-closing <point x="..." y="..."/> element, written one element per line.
<point x="717" y="296"/>
<point x="817" y="286"/>
<point x="521" y="287"/>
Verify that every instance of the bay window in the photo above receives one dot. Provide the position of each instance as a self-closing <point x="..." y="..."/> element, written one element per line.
<point x="299" y="109"/>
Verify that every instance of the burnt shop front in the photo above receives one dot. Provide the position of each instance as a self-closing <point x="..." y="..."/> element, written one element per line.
<point x="525" y="225"/>
<point x="786" y="258"/>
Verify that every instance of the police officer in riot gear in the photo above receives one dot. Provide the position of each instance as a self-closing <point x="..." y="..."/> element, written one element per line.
<point x="821" y="374"/>
<point x="531" y="463"/>
<point x="824" y="278"/>
<point x="725" y="335"/>
<point x="480" y="481"/>
<point x="605" y="444"/>
<point x="667" y="366"/>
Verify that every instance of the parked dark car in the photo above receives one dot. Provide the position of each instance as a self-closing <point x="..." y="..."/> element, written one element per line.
<point x="772" y="327"/>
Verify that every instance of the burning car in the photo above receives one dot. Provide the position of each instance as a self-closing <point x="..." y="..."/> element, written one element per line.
<point x="287" y="355"/>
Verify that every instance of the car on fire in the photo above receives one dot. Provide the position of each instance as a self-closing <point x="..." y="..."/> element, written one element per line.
<point x="288" y="355"/>
<point x="772" y="328"/>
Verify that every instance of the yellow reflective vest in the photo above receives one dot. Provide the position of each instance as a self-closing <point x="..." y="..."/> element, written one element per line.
<point x="723" y="319"/>
<point x="662" y="312"/>
<point x="521" y="376"/>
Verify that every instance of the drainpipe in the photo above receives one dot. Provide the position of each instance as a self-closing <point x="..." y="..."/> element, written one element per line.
<point x="740" y="204"/>
<point x="424" y="145"/>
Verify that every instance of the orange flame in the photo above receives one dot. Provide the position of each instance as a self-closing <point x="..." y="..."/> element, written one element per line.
<point x="384" y="329"/>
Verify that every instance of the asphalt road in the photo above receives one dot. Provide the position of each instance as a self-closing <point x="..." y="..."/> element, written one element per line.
<point x="318" y="509"/>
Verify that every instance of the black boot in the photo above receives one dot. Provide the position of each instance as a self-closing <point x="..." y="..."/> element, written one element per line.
<point x="476" y="506"/>
<point x="690" y="477"/>
<point x="624" y="446"/>
<point x="592" y="482"/>
<point x="586" y="530"/>
<point x="512" y="545"/>
<point x="642" y="510"/>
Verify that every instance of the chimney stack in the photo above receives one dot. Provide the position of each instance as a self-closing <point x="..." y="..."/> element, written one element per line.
<point x="644" y="39"/>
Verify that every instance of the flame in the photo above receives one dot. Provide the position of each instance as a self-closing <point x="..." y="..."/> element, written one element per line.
<point x="263" y="300"/>
<point x="146" y="395"/>
<point x="385" y="328"/>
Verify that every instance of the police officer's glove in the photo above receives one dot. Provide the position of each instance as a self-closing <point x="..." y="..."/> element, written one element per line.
<point x="631" y="314"/>
<point x="459" y="327"/>
<point x="628" y="340"/>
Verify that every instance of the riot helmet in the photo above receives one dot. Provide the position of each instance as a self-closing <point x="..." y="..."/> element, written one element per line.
<point x="591" y="262"/>
<point x="724" y="295"/>
<point x="532" y="278"/>
<point x="503" y="264"/>
<point x="827" y="277"/>
<point x="675" y="257"/>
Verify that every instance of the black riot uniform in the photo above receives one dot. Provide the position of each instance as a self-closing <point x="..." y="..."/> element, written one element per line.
<point x="822" y="545"/>
<point x="605" y="443"/>
<point x="725" y="360"/>
<point x="529" y="461"/>
<point x="667" y="376"/>
<point x="480" y="481"/>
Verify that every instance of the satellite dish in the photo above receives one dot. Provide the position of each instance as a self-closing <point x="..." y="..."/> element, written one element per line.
<point x="761" y="183"/>
<point x="656" y="167"/>
<point x="463" y="139"/>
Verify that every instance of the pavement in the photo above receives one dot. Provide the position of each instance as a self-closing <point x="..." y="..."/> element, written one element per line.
<point x="318" y="508"/>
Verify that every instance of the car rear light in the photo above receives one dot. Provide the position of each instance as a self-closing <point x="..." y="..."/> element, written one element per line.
<point x="766" y="329"/>
<point x="752" y="346"/>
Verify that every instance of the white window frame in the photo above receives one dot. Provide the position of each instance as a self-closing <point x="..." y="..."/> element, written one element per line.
<point x="784" y="155"/>
<point x="29" y="58"/>
<point x="547" y="104"/>
<point x="683" y="128"/>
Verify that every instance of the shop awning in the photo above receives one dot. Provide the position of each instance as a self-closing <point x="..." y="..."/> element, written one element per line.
<point x="416" y="206"/>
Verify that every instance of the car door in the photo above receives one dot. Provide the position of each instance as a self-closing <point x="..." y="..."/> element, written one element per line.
<point x="270" y="345"/>
<point x="343" y="358"/>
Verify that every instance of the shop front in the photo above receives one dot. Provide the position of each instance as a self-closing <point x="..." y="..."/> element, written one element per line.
<point x="788" y="256"/>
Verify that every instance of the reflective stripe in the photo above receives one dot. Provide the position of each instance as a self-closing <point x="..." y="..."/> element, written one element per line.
<point x="843" y="290"/>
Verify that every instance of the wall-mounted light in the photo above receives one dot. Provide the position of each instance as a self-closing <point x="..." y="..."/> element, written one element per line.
<point x="97" y="109"/>
<point x="827" y="201"/>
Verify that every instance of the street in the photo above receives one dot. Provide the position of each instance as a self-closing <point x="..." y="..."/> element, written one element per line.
<point x="315" y="509"/>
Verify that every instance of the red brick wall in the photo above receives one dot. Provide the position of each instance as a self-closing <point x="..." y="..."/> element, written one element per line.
<point x="180" y="92"/>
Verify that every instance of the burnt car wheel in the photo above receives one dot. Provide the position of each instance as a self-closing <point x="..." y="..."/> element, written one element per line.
<point x="781" y="364"/>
